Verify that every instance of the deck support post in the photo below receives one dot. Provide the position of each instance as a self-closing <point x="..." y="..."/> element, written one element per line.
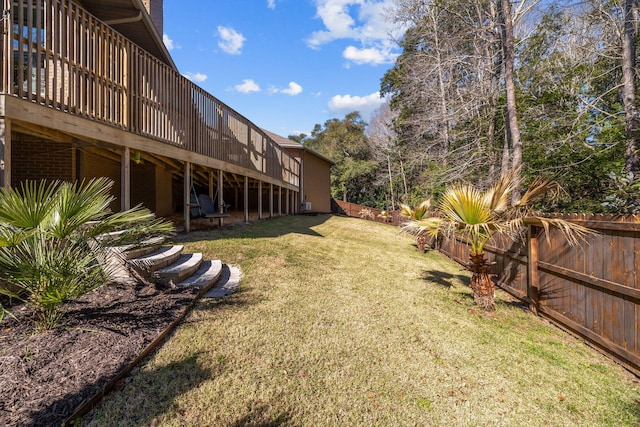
<point x="5" y="152"/>
<point x="287" y="211"/>
<point x="259" y="199"/>
<point x="280" y="200"/>
<point x="246" y="200"/>
<point x="187" y="191"/>
<point x="270" y="200"/>
<point x="125" y="179"/>
<point x="211" y="185"/>
<point x="220" y="196"/>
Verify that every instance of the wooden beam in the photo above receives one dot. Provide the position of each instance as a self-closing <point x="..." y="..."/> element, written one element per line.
<point x="125" y="179"/>
<point x="279" y="200"/>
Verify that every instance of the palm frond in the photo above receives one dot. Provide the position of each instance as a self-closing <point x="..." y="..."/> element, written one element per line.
<point x="465" y="205"/>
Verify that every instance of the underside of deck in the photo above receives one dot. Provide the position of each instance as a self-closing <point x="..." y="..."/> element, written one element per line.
<point x="44" y="143"/>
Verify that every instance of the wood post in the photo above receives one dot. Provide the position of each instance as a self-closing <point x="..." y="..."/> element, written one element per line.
<point x="270" y="200"/>
<point x="187" y="192"/>
<point x="125" y="179"/>
<point x="286" y="209"/>
<point x="246" y="200"/>
<point x="211" y="185"/>
<point x="280" y="200"/>
<point x="220" y="196"/>
<point x="259" y="199"/>
<point x="533" y="276"/>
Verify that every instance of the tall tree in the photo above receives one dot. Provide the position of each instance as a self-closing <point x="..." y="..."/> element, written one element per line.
<point x="629" y="76"/>
<point x="346" y="144"/>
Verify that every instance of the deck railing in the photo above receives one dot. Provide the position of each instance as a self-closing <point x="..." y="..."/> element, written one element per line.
<point x="57" y="54"/>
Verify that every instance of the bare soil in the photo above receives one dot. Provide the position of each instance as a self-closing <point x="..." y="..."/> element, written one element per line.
<point x="45" y="377"/>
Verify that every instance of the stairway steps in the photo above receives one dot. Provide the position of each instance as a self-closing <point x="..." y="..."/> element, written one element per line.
<point x="184" y="267"/>
<point x="144" y="248"/>
<point x="227" y="283"/>
<point x="164" y="256"/>
<point x="207" y="274"/>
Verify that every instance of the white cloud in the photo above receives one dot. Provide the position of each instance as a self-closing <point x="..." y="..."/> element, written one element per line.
<point x="373" y="56"/>
<point x="271" y="4"/>
<point x="366" y="105"/>
<point x="231" y="41"/>
<point x="196" y="77"/>
<point x="293" y="89"/>
<point x="362" y="21"/>
<point x="167" y="42"/>
<point x="247" y="86"/>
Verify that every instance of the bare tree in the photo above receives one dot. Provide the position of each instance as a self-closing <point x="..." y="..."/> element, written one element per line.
<point x="629" y="75"/>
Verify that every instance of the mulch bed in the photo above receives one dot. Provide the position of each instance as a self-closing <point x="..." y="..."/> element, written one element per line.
<point x="44" y="378"/>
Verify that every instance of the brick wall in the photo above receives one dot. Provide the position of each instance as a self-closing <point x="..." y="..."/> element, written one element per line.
<point x="36" y="159"/>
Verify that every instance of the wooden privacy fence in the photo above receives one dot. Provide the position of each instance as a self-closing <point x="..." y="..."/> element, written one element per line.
<point x="592" y="289"/>
<point x="360" y="211"/>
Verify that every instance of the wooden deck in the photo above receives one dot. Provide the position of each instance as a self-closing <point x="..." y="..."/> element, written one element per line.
<point x="66" y="76"/>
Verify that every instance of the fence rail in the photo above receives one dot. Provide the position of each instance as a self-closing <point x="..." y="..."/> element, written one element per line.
<point x="58" y="55"/>
<point x="592" y="289"/>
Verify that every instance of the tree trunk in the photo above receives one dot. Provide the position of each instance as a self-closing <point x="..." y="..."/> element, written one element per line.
<point x="393" y="200"/>
<point x="632" y="160"/>
<point x="512" y="116"/>
<point x="481" y="283"/>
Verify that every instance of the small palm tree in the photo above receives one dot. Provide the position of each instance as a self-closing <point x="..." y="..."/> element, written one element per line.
<point x="478" y="215"/>
<point x="53" y="246"/>
<point x="423" y="210"/>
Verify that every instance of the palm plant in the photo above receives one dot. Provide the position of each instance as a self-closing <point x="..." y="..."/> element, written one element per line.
<point x="477" y="216"/>
<point x="53" y="246"/>
<point x="416" y="214"/>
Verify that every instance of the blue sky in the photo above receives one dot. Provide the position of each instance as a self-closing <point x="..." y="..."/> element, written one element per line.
<point x="284" y="64"/>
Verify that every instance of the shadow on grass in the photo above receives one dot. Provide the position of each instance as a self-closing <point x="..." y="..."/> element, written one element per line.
<point x="443" y="279"/>
<point x="160" y="387"/>
<point x="270" y="227"/>
<point x="260" y="417"/>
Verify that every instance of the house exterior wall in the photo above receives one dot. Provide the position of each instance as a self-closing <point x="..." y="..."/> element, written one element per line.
<point x="317" y="183"/>
<point x="164" y="199"/>
<point x="92" y="165"/>
<point x="155" y="10"/>
<point x="35" y="158"/>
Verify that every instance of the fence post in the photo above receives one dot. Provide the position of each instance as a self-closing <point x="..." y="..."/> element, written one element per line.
<point x="533" y="277"/>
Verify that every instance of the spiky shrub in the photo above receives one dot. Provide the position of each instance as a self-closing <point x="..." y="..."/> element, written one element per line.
<point x="53" y="246"/>
<point x="416" y="214"/>
<point x="477" y="216"/>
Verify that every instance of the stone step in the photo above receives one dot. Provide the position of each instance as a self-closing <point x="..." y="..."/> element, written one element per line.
<point x="154" y="261"/>
<point x="207" y="274"/>
<point x="184" y="267"/>
<point x="144" y="248"/>
<point x="227" y="283"/>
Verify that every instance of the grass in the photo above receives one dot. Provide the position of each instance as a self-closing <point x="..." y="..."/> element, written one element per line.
<point x="340" y="321"/>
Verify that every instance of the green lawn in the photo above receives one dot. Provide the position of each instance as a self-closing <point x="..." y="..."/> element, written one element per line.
<point x="341" y="322"/>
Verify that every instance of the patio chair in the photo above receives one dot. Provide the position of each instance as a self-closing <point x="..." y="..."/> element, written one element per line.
<point x="209" y="210"/>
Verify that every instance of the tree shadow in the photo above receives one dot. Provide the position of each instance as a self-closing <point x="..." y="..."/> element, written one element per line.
<point x="58" y="411"/>
<point x="261" y="416"/>
<point x="269" y="227"/>
<point x="441" y="278"/>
